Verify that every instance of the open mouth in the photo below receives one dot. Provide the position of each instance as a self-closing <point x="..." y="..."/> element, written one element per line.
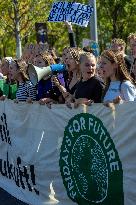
<point x="89" y="73"/>
<point x="68" y="65"/>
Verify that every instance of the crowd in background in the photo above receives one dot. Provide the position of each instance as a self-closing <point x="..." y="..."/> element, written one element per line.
<point x="87" y="79"/>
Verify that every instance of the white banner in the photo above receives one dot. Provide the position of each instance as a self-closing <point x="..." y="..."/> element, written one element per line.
<point x="61" y="156"/>
<point x="69" y="11"/>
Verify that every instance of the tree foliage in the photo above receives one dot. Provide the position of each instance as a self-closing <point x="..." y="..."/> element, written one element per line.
<point x="116" y="18"/>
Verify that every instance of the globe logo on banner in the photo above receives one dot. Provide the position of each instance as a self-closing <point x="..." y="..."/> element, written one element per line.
<point x="97" y="172"/>
<point x="89" y="163"/>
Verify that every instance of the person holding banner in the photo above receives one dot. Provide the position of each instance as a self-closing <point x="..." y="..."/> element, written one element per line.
<point x="118" y="81"/>
<point x="70" y="57"/>
<point x="90" y="87"/>
<point x="5" y="66"/>
<point x="25" y="89"/>
<point x="47" y="91"/>
<point x="72" y="62"/>
<point x="7" y="85"/>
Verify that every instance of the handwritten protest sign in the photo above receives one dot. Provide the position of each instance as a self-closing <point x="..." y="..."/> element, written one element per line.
<point x="69" y="11"/>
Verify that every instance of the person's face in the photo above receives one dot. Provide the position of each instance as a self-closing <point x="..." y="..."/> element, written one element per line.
<point x="51" y="60"/>
<point x="27" y="55"/>
<point x="108" y="68"/>
<point x="88" y="67"/>
<point x="5" y="68"/>
<point x="13" y="71"/>
<point x="116" y="47"/>
<point x="70" y="62"/>
<point x="38" y="61"/>
<point x="53" y="53"/>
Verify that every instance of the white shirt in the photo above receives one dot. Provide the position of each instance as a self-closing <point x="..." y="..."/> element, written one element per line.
<point x="126" y="90"/>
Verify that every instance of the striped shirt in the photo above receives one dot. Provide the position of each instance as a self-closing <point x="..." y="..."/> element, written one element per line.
<point x="26" y="90"/>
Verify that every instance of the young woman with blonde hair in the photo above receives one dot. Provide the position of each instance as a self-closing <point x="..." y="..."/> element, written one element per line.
<point x="89" y="87"/>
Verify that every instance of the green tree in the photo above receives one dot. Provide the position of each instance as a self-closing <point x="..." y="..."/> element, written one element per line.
<point x="116" y="18"/>
<point x="18" y="19"/>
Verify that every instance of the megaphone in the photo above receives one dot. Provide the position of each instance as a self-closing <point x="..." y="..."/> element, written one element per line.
<point x="37" y="73"/>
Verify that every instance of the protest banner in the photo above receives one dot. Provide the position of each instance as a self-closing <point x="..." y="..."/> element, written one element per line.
<point x="68" y="156"/>
<point x="70" y="11"/>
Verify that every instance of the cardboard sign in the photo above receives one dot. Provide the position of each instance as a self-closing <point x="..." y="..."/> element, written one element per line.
<point x="69" y="11"/>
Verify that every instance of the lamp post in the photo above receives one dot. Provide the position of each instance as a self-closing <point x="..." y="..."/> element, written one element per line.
<point x="17" y="29"/>
<point x="93" y="22"/>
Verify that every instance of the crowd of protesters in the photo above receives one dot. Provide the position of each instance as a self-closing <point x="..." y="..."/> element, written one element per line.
<point x="88" y="79"/>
